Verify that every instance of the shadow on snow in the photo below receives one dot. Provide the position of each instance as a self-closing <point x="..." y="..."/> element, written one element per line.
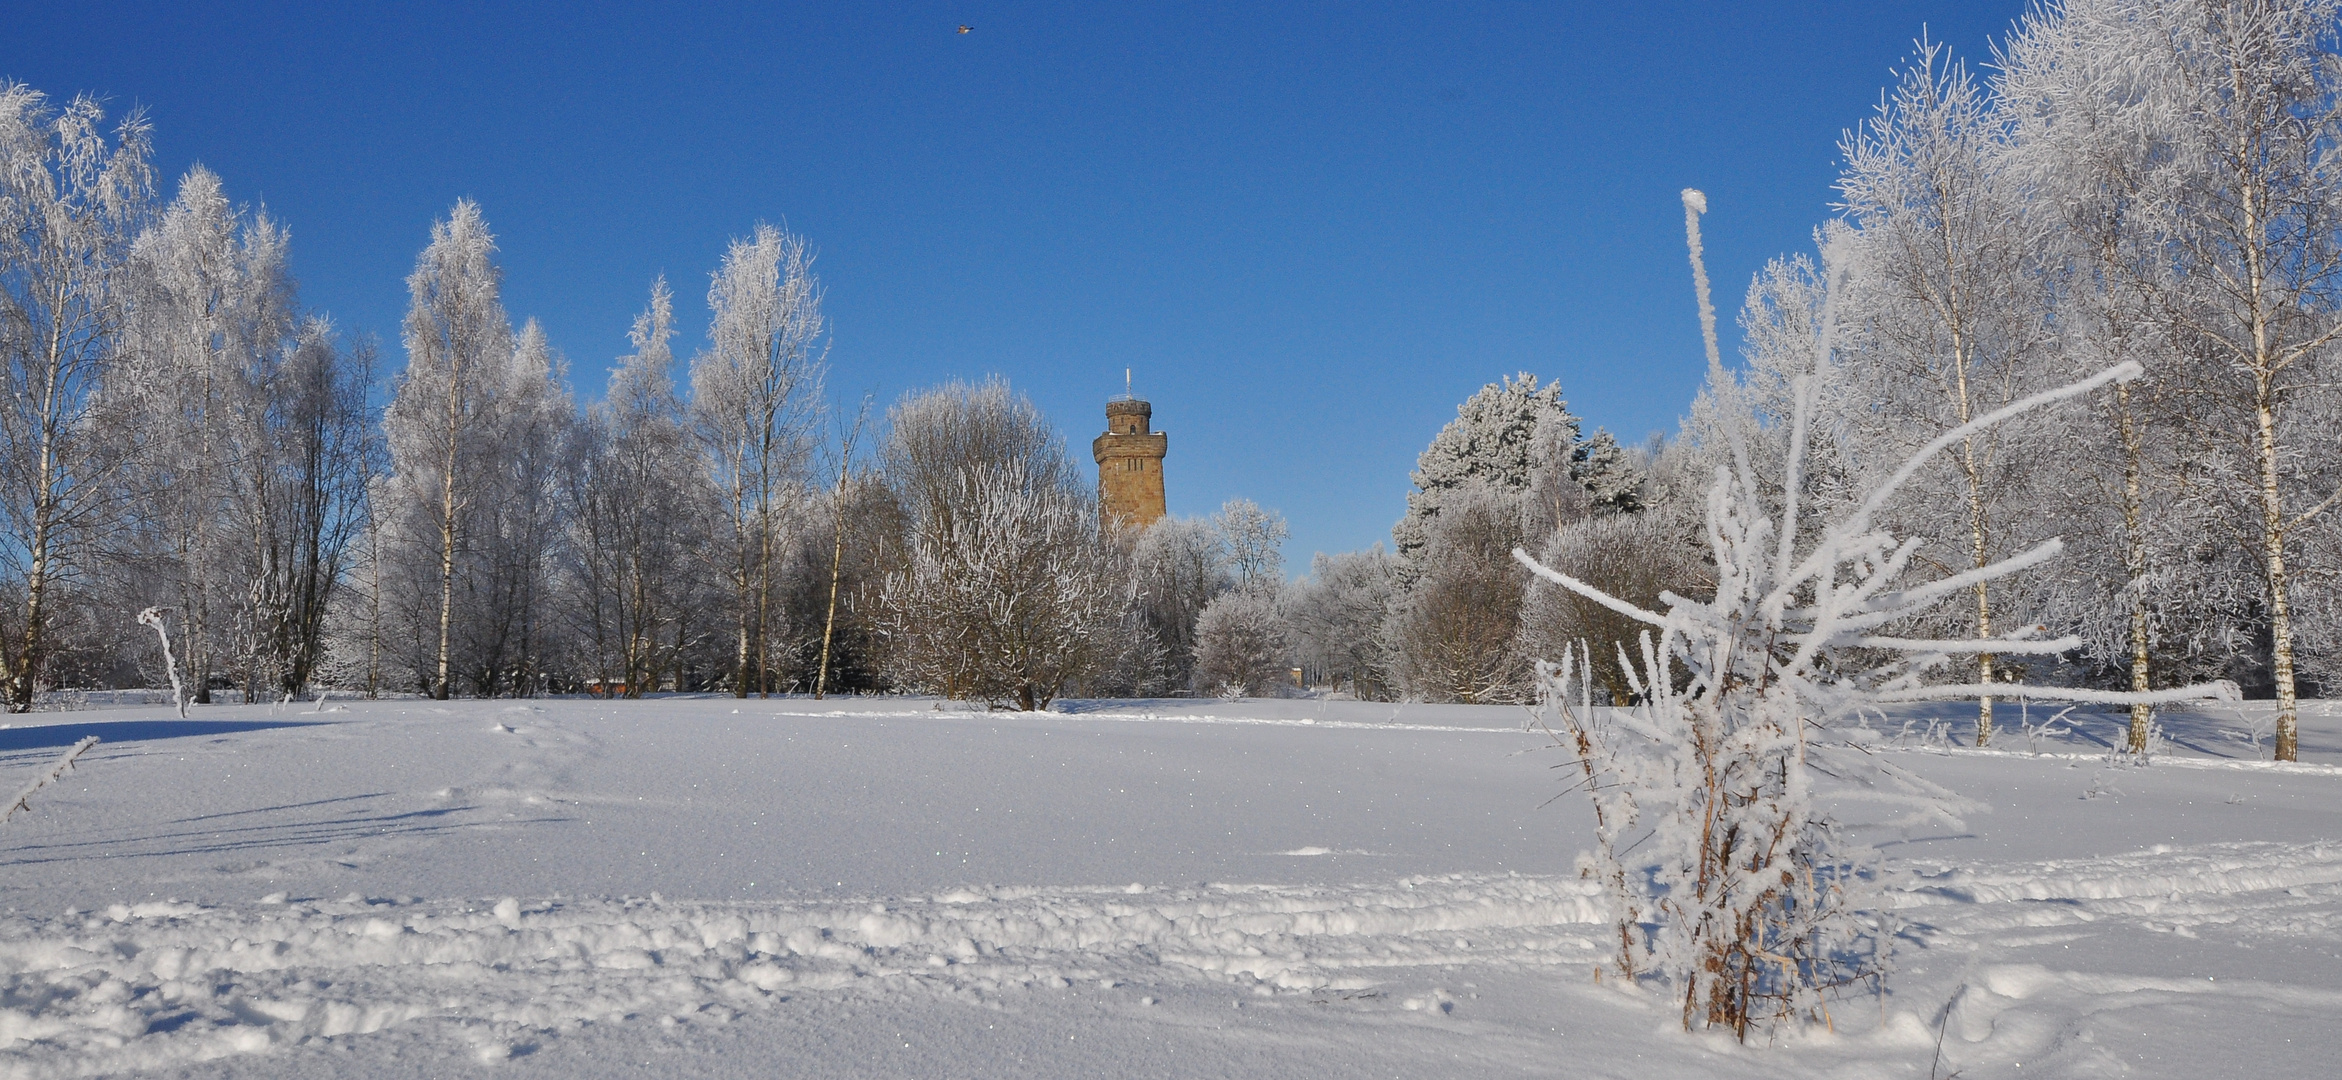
<point x="49" y="736"/>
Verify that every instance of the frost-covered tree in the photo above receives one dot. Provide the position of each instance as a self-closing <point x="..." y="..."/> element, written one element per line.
<point x="1337" y="615"/>
<point x="1004" y="591"/>
<point x="467" y="512"/>
<point x="855" y="535"/>
<point x="935" y="435"/>
<point x="2255" y="300"/>
<point x="633" y="495"/>
<point x="210" y="314"/>
<point x="1255" y="542"/>
<point x="1492" y="444"/>
<point x="73" y="197"/>
<point x="507" y="634"/>
<point x="1243" y="645"/>
<point x="2096" y="125"/>
<point x="1454" y="634"/>
<point x="1178" y="565"/>
<point x="1010" y="597"/>
<point x="1634" y="557"/>
<point x="1943" y="317"/>
<point x="1512" y="463"/>
<point x="2086" y="207"/>
<point x="300" y="497"/>
<point x="754" y="395"/>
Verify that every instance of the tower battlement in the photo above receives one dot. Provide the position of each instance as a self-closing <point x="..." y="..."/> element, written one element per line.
<point x="1130" y="465"/>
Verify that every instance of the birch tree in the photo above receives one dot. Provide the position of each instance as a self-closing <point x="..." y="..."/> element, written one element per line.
<point x="1178" y="565"/>
<point x="507" y="567"/>
<point x="72" y="198"/>
<point x="210" y="313"/>
<point x="2098" y="135"/>
<point x="2254" y="298"/>
<point x="305" y="496"/>
<point x="632" y="503"/>
<point x="457" y="340"/>
<point x="1254" y="539"/>
<point x="1940" y="258"/>
<point x="754" y="393"/>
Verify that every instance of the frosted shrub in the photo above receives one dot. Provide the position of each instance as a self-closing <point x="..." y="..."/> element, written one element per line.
<point x="1007" y="599"/>
<point x="1742" y="895"/>
<point x="1630" y="556"/>
<point x="1453" y="636"/>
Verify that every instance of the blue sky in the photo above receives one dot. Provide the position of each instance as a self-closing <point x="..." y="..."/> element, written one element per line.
<point x="1311" y="229"/>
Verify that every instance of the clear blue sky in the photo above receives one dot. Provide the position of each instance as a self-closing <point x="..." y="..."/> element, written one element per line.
<point x="1311" y="229"/>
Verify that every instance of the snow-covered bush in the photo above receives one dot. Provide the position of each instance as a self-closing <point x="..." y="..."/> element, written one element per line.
<point x="1453" y="636"/>
<point x="1630" y="556"/>
<point x="1009" y="598"/>
<point x="1243" y="646"/>
<point x="1742" y="895"/>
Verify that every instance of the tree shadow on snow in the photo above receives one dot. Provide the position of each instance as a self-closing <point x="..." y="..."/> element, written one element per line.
<point x="337" y="827"/>
<point x="51" y="736"/>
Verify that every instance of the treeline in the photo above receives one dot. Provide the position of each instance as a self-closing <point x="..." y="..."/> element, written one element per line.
<point x="2148" y="181"/>
<point x="2137" y="180"/>
<point x="181" y="436"/>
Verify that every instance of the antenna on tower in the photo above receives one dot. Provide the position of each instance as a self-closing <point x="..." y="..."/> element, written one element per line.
<point x="1126" y="394"/>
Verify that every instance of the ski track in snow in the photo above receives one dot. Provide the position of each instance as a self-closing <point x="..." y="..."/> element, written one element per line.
<point x="157" y="984"/>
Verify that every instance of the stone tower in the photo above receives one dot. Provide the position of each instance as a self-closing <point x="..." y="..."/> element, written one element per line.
<point x="1130" y="466"/>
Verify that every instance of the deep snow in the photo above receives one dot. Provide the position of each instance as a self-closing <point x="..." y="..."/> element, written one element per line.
<point x="1263" y="888"/>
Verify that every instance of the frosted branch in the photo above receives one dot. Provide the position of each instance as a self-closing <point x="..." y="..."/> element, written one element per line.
<point x="1587" y="591"/>
<point x="63" y="765"/>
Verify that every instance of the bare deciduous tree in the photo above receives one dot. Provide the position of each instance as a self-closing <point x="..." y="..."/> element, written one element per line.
<point x="71" y="201"/>
<point x="1940" y="260"/>
<point x="1243" y="645"/>
<point x="1009" y="598"/>
<point x="754" y="393"/>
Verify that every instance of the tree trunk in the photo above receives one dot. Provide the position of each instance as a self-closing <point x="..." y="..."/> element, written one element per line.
<point x="2272" y="501"/>
<point x="439" y="689"/>
<point x="1979" y="548"/>
<point x="2280" y="609"/>
<point x="741" y="584"/>
<point x="2134" y="563"/>
<point x="25" y="676"/>
<point x="837" y="558"/>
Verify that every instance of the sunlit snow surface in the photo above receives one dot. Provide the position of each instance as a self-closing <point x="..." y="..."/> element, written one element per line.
<point x="710" y="887"/>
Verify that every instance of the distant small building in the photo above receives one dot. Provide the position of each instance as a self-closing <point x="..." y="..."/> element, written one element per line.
<point x="1130" y="466"/>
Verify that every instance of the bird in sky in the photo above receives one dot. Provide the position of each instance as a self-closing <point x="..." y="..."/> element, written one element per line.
<point x="964" y="28"/>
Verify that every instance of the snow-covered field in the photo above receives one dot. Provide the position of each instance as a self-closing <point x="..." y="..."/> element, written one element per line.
<point x="709" y="887"/>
